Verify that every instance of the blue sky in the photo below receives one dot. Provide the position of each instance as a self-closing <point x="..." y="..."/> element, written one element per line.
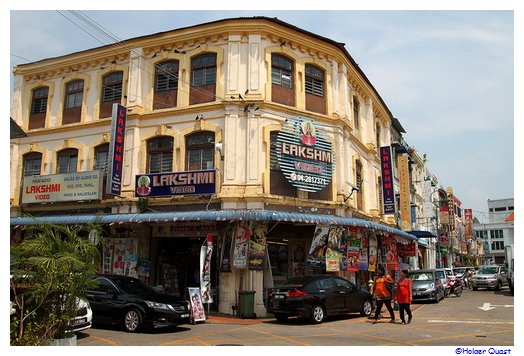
<point x="447" y="75"/>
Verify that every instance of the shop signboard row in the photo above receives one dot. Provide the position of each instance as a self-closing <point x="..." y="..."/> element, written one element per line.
<point x="62" y="187"/>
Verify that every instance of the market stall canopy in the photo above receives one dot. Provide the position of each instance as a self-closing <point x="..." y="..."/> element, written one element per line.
<point x="212" y="215"/>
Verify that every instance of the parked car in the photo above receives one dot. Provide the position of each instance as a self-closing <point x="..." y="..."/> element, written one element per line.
<point x="133" y="304"/>
<point x="491" y="277"/>
<point x="317" y="296"/>
<point x="427" y="285"/>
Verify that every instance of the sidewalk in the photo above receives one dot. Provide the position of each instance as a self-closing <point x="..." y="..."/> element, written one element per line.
<point x="218" y="318"/>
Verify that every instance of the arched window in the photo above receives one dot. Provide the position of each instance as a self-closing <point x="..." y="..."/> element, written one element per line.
<point x="111" y="92"/>
<point x="315" y="93"/>
<point x="359" y="183"/>
<point x="282" y="80"/>
<point x="74" y="93"/>
<point x="160" y="154"/>
<point x="203" y="78"/>
<point x="356" y="116"/>
<point x="67" y="161"/>
<point x="200" y="148"/>
<point x="32" y="164"/>
<point x="102" y="158"/>
<point x="38" y="108"/>
<point x="166" y="85"/>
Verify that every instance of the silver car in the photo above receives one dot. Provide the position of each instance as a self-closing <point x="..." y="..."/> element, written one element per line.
<point x="426" y="285"/>
<point x="490" y="277"/>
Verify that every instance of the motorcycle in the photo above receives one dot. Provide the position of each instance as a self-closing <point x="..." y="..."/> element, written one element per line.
<point x="454" y="286"/>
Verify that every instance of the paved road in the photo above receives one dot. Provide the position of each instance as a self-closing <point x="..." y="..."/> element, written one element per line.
<point x="455" y="321"/>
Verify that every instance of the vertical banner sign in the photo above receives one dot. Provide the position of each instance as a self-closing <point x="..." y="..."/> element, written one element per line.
<point x="116" y="149"/>
<point x="333" y="254"/>
<point x="242" y="234"/>
<point x="257" y="245"/>
<point x="468" y="226"/>
<point x="405" y="204"/>
<point x="197" y="309"/>
<point x="372" y="266"/>
<point x="451" y="207"/>
<point x="390" y="251"/>
<point x="387" y="180"/>
<point x="225" y="250"/>
<point x="315" y="258"/>
<point x="206" y="251"/>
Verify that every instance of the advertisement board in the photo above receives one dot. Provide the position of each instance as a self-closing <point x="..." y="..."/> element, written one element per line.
<point x="175" y="183"/>
<point x="62" y="187"/>
<point x="116" y="149"/>
<point x="387" y="180"/>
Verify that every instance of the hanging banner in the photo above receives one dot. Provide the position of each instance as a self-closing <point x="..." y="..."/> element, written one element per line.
<point x="387" y="180"/>
<point x="372" y="266"/>
<point x="206" y="251"/>
<point x="468" y="224"/>
<point x="225" y="248"/>
<point x="364" y="246"/>
<point x="242" y="234"/>
<point x="409" y="249"/>
<point x="405" y="200"/>
<point x="197" y="308"/>
<point x="315" y="258"/>
<point x="257" y="245"/>
<point x="390" y="251"/>
<point x="352" y="253"/>
<point x="333" y="250"/>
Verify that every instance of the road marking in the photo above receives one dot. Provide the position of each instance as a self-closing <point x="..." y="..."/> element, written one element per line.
<point x="470" y="321"/>
<point x="489" y="306"/>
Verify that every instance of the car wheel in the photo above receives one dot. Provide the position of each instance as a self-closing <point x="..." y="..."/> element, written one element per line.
<point x="317" y="314"/>
<point x="281" y="317"/>
<point x="132" y="320"/>
<point x="366" y="308"/>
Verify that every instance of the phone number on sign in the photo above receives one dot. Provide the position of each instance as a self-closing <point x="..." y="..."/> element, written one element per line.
<point x="308" y="179"/>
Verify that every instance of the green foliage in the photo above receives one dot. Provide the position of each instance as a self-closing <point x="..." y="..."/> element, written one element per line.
<point x="50" y="269"/>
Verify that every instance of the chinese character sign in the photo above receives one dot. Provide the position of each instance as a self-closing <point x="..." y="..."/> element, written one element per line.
<point x="387" y="180"/>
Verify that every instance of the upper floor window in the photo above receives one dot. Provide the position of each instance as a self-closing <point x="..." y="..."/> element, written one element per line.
<point x="200" y="151"/>
<point x="315" y="98"/>
<point x="356" y="114"/>
<point x="111" y="92"/>
<point x="38" y="108"/>
<point x="166" y="85"/>
<point x="67" y="161"/>
<point x="160" y="154"/>
<point x="496" y="234"/>
<point x="203" y="78"/>
<point x="282" y="80"/>
<point x="102" y="157"/>
<point x="74" y="93"/>
<point x="32" y="164"/>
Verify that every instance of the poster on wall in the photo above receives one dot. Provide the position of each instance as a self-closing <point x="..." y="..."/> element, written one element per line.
<point x="225" y="248"/>
<point x="242" y="234"/>
<point x="257" y="245"/>
<point x="197" y="308"/>
<point x="121" y="257"/>
<point x="364" y="246"/>
<point x="353" y="258"/>
<point x="333" y="253"/>
<point x="372" y="266"/>
<point x="206" y="251"/>
<point x="315" y="258"/>
<point x="390" y="251"/>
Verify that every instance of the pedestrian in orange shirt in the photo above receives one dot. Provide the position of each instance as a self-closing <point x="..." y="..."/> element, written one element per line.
<point x="404" y="296"/>
<point x="383" y="293"/>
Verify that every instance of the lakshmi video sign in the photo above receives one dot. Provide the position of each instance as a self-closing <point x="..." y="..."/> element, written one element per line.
<point x="305" y="156"/>
<point x="175" y="183"/>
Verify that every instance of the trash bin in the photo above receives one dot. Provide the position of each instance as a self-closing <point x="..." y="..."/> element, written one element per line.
<point x="247" y="304"/>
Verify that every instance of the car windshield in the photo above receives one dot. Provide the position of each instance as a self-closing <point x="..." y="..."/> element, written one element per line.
<point x="133" y="286"/>
<point x="487" y="270"/>
<point x="421" y="276"/>
<point x="441" y="274"/>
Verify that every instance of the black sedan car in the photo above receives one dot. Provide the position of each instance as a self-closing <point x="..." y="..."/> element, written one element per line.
<point x="133" y="304"/>
<point x="317" y="296"/>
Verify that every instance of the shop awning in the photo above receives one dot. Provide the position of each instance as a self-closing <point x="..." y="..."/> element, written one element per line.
<point x="422" y="234"/>
<point x="214" y="215"/>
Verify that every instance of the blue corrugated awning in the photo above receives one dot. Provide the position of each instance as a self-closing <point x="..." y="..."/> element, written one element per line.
<point x="421" y="233"/>
<point x="214" y="215"/>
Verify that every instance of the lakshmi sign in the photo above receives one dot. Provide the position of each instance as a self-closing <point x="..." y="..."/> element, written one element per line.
<point x="305" y="156"/>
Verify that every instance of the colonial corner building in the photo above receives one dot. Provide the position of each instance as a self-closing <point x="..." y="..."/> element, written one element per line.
<point x="248" y="132"/>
